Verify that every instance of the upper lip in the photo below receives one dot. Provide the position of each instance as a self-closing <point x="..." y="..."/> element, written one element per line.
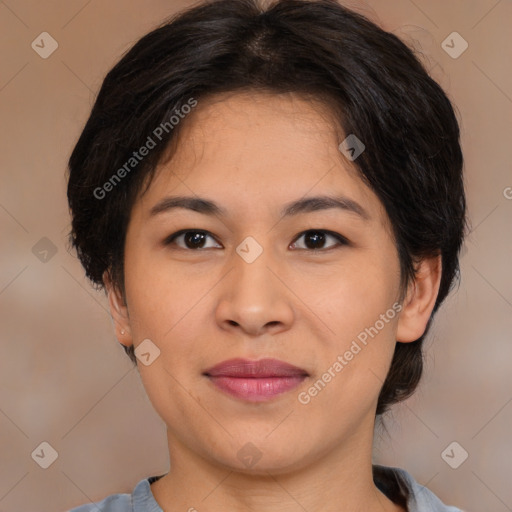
<point x="254" y="369"/>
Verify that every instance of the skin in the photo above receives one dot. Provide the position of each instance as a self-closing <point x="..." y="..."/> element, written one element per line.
<point x="252" y="154"/>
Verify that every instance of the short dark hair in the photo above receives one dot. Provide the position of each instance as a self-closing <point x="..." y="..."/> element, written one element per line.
<point x="378" y="89"/>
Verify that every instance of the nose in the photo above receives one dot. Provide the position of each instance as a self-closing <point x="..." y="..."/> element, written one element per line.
<point x="254" y="297"/>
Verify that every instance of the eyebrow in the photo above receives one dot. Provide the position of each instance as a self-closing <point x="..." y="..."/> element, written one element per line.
<point x="304" y="205"/>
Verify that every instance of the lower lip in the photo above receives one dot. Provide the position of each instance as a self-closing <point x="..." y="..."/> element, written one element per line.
<point x="256" y="389"/>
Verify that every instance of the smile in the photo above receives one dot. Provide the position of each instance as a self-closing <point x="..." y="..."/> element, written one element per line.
<point x="255" y="381"/>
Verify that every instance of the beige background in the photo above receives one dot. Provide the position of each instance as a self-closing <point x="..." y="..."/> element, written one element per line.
<point x="63" y="377"/>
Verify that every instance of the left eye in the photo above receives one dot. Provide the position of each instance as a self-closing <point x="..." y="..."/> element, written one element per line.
<point x="314" y="238"/>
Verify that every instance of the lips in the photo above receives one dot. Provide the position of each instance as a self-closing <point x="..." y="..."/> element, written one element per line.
<point x="255" y="381"/>
<point x="244" y="368"/>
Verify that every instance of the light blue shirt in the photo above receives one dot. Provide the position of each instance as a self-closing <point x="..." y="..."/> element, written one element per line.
<point x="419" y="498"/>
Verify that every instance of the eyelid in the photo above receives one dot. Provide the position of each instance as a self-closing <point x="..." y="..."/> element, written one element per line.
<point x="170" y="239"/>
<point x="340" y="238"/>
<point x="342" y="241"/>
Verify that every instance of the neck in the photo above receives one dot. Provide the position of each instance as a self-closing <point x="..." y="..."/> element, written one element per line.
<point x="340" y="481"/>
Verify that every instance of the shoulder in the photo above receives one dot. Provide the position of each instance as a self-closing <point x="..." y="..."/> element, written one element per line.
<point x="417" y="497"/>
<point x="141" y="500"/>
<point x="112" y="503"/>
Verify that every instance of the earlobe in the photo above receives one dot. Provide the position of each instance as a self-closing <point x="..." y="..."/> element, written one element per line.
<point x="118" y="311"/>
<point x="420" y="300"/>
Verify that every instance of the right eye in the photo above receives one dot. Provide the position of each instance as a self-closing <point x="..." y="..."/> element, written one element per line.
<point x="193" y="239"/>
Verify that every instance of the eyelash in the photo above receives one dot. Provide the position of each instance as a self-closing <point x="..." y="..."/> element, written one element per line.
<point x="341" y="239"/>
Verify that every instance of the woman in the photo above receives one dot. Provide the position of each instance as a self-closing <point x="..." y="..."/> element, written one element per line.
<point x="272" y="198"/>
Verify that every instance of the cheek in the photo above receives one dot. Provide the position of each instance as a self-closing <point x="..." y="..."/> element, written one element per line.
<point x="353" y="295"/>
<point x="352" y="372"/>
<point x="358" y="304"/>
<point x="159" y="296"/>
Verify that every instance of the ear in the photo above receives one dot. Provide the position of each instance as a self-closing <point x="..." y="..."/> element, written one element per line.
<point x="118" y="311"/>
<point x="420" y="300"/>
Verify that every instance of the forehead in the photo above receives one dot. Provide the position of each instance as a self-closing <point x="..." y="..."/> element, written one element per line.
<point x="260" y="149"/>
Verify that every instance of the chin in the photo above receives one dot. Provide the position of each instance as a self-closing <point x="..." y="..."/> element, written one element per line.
<point x="252" y="457"/>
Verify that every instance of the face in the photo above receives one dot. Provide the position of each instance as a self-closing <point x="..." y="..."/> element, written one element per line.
<point x="313" y="287"/>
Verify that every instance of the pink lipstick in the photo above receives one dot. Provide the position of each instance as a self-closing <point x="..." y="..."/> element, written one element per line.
<point x="255" y="381"/>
